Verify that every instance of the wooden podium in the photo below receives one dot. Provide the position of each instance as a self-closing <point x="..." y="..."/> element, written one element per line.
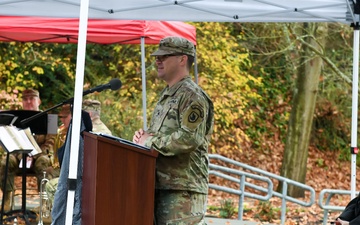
<point x="118" y="182"/>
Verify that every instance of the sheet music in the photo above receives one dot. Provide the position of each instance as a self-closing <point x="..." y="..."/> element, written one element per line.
<point x="14" y="139"/>
<point x="29" y="136"/>
<point x="7" y="140"/>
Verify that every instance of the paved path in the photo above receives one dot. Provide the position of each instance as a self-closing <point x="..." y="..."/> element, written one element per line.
<point x="218" y="221"/>
<point x="32" y="201"/>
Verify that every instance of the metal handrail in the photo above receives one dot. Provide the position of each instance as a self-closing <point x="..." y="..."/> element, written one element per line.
<point x="242" y="181"/>
<point x="284" y="180"/>
<point x="326" y="207"/>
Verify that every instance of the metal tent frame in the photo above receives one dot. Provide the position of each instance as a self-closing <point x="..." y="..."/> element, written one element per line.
<point x="343" y="11"/>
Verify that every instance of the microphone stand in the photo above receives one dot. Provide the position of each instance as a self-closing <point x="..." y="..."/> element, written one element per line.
<point x="27" y="120"/>
<point x="68" y="101"/>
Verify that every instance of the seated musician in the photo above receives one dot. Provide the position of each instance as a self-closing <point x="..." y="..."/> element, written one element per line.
<point x="39" y="163"/>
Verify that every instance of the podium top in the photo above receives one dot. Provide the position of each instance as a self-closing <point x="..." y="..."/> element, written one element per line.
<point x="121" y="140"/>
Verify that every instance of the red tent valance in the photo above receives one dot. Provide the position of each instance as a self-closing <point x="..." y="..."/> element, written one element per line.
<point x="65" y="30"/>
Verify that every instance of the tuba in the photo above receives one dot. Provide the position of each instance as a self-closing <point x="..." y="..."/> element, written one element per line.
<point x="45" y="206"/>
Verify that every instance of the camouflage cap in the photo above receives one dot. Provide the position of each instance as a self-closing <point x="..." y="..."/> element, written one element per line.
<point x="30" y="93"/>
<point x="93" y="105"/>
<point x="65" y="110"/>
<point x="174" y="45"/>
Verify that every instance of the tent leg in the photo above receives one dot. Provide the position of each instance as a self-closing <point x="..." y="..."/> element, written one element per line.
<point x="354" y="119"/>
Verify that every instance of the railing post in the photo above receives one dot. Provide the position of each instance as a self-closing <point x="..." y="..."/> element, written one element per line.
<point x="283" y="202"/>
<point x="241" y="200"/>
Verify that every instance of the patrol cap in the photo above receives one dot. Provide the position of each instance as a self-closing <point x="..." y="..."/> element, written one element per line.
<point x="30" y="93"/>
<point x="175" y="45"/>
<point x="65" y="110"/>
<point x="92" y="105"/>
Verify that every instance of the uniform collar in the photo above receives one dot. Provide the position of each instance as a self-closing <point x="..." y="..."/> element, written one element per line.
<point x="172" y="90"/>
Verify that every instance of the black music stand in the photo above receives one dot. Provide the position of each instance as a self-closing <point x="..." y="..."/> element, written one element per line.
<point x="37" y="126"/>
<point x="23" y="213"/>
<point x="7" y="119"/>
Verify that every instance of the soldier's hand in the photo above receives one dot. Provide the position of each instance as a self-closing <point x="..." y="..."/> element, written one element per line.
<point x="137" y="135"/>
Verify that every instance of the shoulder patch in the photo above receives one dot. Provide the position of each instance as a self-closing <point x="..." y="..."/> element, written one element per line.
<point x="193" y="116"/>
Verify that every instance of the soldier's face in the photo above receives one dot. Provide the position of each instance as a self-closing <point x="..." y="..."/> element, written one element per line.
<point x="31" y="103"/>
<point x="66" y="120"/>
<point x="168" y="66"/>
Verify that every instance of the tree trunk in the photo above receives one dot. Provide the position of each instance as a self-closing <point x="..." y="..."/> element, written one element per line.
<point x="294" y="164"/>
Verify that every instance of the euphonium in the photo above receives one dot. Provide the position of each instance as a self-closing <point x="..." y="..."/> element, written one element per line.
<point x="45" y="206"/>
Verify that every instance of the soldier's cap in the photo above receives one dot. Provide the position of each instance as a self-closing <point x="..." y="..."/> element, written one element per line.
<point x="30" y="93"/>
<point x="65" y="110"/>
<point x="92" y="105"/>
<point x="175" y="45"/>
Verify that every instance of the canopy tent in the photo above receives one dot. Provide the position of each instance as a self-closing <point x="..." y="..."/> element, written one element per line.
<point x="343" y="11"/>
<point x="100" y="31"/>
<point x="189" y="10"/>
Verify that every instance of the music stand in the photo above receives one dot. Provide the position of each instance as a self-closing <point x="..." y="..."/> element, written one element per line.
<point x="37" y="126"/>
<point x="7" y="119"/>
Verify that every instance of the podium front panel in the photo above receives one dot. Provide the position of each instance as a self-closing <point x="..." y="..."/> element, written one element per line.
<point x="118" y="183"/>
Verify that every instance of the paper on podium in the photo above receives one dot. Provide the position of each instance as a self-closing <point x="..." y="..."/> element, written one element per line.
<point x="14" y="139"/>
<point x="121" y="140"/>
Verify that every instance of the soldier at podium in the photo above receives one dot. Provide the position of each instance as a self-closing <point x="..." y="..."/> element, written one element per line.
<point x="30" y="101"/>
<point x="180" y="130"/>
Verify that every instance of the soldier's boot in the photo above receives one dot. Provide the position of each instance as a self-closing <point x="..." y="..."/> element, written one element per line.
<point x="7" y="201"/>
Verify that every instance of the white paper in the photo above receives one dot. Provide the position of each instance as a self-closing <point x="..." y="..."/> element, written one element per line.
<point x="28" y="136"/>
<point x="52" y="125"/>
<point x="14" y="139"/>
<point x="7" y="140"/>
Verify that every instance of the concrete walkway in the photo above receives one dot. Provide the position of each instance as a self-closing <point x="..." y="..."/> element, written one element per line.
<point x="218" y="221"/>
<point x="33" y="201"/>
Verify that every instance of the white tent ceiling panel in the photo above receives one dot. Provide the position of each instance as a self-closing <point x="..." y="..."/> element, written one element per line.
<point x="189" y="10"/>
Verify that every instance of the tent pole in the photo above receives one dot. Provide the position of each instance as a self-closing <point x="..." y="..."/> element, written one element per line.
<point x="196" y="69"/>
<point x="354" y="119"/>
<point x="79" y="82"/>
<point x="143" y="81"/>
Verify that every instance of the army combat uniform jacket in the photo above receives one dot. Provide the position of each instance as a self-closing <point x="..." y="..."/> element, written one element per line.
<point x="181" y="126"/>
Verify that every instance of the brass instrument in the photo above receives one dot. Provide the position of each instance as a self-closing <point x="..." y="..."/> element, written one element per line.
<point x="45" y="206"/>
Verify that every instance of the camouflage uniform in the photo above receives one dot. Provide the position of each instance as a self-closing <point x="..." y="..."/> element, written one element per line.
<point x="94" y="108"/>
<point x="181" y="127"/>
<point x="40" y="161"/>
<point x="53" y="172"/>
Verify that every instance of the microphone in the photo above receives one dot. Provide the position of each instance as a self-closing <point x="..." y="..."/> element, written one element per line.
<point x="114" y="84"/>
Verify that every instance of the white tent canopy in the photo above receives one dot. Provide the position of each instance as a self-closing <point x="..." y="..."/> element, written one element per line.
<point x="188" y="10"/>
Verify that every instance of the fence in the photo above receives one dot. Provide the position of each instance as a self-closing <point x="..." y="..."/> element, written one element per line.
<point x="262" y="176"/>
<point x="329" y="193"/>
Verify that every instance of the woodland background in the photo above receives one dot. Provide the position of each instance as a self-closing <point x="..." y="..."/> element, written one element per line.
<point x="251" y="72"/>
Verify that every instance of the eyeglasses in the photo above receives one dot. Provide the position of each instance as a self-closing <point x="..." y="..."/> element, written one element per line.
<point x="162" y="58"/>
